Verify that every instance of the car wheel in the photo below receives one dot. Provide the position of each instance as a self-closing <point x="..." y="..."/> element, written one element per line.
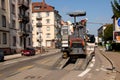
<point x="22" y="55"/>
<point x="2" y="59"/>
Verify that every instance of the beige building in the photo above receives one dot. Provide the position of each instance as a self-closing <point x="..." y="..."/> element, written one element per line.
<point x="4" y="26"/>
<point x="46" y="25"/>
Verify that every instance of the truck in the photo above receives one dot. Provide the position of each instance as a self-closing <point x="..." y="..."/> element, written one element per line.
<point x="65" y="39"/>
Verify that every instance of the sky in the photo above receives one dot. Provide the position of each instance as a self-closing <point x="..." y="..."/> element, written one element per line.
<point x="97" y="11"/>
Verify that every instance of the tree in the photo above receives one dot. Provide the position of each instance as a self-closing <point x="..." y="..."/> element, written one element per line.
<point x="108" y="32"/>
<point x="116" y="8"/>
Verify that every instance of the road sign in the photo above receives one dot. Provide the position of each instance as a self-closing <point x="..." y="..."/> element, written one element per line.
<point x="118" y="22"/>
<point x="116" y="36"/>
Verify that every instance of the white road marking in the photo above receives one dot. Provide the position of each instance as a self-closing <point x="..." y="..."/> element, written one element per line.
<point x="91" y="65"/>
<point x="88" y="69"/>
<point x="93" y="60"/>
<point x="84" y="72"/>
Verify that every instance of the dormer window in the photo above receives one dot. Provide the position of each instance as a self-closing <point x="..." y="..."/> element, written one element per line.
<point x="47" y="13"/>
<point x="36" y="7"/>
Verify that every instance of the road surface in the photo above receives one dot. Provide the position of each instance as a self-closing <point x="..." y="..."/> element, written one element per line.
<point x="43" y="68"/>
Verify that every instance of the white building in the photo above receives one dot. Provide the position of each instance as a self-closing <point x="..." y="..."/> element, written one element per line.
<point x="48" y="33"/>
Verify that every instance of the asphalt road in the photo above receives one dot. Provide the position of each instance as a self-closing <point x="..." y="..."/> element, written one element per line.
<point x="42" y="68"/>
<point x="15" y="66"/>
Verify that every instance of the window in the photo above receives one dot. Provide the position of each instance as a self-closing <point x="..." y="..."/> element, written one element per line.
<point x="39" y="14"/>
<point x="36" y="7"/>
<point x="47" y="20"/>
<point x="48" y="35"/>
<point x="21" y="41"/>
<point x="48" y="28"/>
<point x="4" y="38"/>
<point x="13" y="23"/>
<point x="14" y="40"/>
<point x="3" y="4"/>
<point x="0" y="38"/>
<point x="32" y="21"/>
<point x="3" y="21"/>
<point x="37" y="33"/>
<point x="29" y="28"/>
<point x="20" y="26"/>
<point x="47" y="14"/>
<point x="13" y="8"/>
<point x="29" y="41"/>
<point x="28" y="2"/>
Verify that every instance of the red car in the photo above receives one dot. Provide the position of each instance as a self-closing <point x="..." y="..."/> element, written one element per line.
<point x="28" y="52"/>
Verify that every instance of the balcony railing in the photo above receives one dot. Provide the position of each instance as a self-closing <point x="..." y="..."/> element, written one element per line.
<point x="22" y="33"/>
<point x="39" y="24"/>
<point x="38" y="18"/>
<point x="23" y="18"/>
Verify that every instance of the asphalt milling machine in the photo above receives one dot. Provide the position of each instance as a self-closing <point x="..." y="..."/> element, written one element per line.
<point x="74" y="46"/>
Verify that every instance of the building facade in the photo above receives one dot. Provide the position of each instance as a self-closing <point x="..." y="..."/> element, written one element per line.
<point x="15" y="25"/>
<point x="101" y="34"/>
<point x="4" y="26"/>
<point x="20" y="25"/>
<point x="46" y="25"/>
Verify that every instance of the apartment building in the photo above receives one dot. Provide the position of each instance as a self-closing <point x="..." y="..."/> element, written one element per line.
<point x="20" y="25"/>
<point x="46" y="25"/>
<point x="4" y="26"/>
<point x="101" y="33"/>
<point x="15" y="25"/>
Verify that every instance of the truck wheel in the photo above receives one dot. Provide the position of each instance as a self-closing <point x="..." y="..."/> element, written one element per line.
<point x="65" y="55"/>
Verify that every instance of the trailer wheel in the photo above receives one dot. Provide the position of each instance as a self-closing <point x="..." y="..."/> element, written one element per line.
<point x="65" y="55"/>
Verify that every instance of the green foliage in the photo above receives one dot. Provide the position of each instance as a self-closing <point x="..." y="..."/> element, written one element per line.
<point x="108" y="33"/>
<point x="116" y="8"/>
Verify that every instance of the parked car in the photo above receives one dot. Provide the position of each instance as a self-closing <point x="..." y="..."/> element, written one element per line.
<point x="1" y="55"/>
<point x="28" y="52"/>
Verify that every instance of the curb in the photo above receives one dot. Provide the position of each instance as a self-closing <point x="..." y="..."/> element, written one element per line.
<point x="112" y="65"/>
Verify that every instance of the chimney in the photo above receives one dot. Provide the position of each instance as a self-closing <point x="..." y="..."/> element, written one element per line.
<point x="43" y="1"/>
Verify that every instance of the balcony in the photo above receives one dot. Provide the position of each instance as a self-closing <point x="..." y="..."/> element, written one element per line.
<point x="39" y="24"/>
<point x="38" y="18"/>
<point x="20" y="33"/>
<point x="23" y="18"/>
<point x="23" y="4"/>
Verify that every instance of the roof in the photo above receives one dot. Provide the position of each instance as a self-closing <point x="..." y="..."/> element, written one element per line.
<point x="41" y="7"/>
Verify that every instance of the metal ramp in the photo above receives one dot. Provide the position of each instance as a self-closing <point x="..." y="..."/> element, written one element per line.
<point x="61" y="63"/>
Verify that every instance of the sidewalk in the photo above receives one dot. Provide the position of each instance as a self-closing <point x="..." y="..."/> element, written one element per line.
<point x="18" y="55"/>
<point x="115" y="58"/>
<point x="14" y="56"/>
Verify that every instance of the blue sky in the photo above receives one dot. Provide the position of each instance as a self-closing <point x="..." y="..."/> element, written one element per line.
<point x="98" y="11"/>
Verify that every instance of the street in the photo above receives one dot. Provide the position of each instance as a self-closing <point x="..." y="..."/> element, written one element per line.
<point x="43" y="68"/>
